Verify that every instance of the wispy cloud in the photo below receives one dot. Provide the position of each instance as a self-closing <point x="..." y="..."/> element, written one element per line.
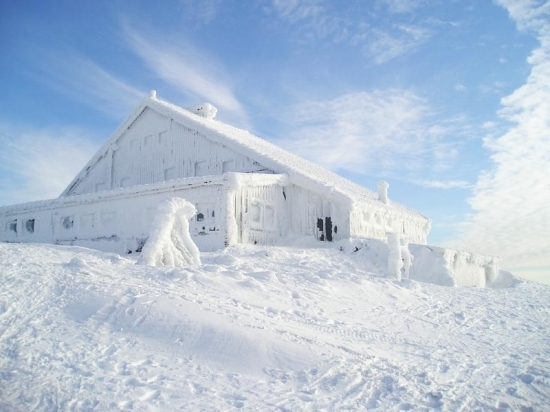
<point x="401" y="6"/>
<point x="511" y="201"/>
<point x="400" y="40"/>
<point x="86" y="82"/>
<point x="38" y="164"/>
<point x="383" y="131"/>
<point x="444" y="184"/>
<point x="190" y="70"/>
<point x="200" y="12"/>
<point x="314" y="20"/>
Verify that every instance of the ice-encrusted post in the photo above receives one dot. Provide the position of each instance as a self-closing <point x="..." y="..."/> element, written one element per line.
<point x="406" y="256"/>
<point x="395" y="262"/>
<point x="383" y="191"/>
<point x="169" y="242"/>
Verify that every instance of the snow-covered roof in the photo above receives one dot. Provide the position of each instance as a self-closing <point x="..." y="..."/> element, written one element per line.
<point x="301" y="172"/>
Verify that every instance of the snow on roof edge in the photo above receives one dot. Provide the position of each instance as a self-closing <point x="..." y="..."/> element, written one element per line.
<point x="230" y="180"/>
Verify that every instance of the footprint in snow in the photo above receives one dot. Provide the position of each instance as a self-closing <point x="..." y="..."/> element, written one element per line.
<point x="526" y="378"/>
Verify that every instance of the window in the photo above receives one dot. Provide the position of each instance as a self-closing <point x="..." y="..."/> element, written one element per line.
<point x="200" y="217"/>
<point x="228" y="166"/>
<point x="134" y="145"/>
<point x="67" y="222"/>
<point x="125" y="182"/>
<point x="108" y="220"/>
<point x="255" y="212"/>
<point x="29" y="226"/>
<point x="201" y="168"/>
<point x="262" y="215"/>
<point x="269" y="217"/>
<point x="87" y="221"/>
<point x="170" y="173"/>
<point x="12" y="226"/>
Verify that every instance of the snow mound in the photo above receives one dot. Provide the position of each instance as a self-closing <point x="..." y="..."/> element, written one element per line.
<point x="170" y="242"/>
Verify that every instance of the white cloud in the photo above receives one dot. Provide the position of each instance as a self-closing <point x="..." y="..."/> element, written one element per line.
<point x="188" y="69"/>
<point x="86" y="82"/>
<point x="511" y="201"/>
<point x="382" y="131"/>
<point x="39" y="164"/>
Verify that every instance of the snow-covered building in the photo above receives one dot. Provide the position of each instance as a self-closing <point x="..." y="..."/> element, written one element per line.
<point x="246" y="190"/>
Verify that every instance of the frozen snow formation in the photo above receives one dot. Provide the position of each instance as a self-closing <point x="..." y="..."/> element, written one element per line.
<point x="170" y="242"/>
<point x="395" y="262"/>
<point x="206" y="110"/>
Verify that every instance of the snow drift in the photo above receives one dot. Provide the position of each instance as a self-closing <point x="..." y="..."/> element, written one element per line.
<point x="261" y="329"/>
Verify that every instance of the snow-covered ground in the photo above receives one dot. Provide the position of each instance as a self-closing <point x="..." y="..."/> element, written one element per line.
<point x="261" y="328"/>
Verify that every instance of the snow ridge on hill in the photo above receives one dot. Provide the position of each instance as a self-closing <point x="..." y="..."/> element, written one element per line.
<point x="261" y="328"/>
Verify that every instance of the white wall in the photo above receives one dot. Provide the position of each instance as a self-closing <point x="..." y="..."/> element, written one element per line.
<point x="119" y="224"/>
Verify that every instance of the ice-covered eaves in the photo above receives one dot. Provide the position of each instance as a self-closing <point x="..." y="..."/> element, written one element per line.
<point x="300" y="171"/>
<point x="230" y="180"/>
<point x="235" y="180"/>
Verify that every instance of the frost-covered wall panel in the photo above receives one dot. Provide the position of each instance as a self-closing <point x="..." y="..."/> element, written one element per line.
<point x="155" y="148"/>
<point x="375" y="221"/>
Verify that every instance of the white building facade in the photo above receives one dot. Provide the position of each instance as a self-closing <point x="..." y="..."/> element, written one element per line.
<point x="246" y="190"/>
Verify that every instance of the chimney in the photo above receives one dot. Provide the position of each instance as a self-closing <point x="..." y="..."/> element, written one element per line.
<point x="383" y="192"/>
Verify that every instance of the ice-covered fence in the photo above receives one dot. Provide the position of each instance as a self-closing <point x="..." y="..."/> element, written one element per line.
<point x="169" y="242"/>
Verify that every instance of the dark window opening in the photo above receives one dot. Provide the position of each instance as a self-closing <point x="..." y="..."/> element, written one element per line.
<point x="328" y="228"/>
<point x="200" y="217"/>
<point x="320" y="224"/>
<point x="213" y="214"/>
<point x="13" y="226"/>
<point x="29" y="225"/>
<point x="335" y="229"/>
<point x="67" y="222"/>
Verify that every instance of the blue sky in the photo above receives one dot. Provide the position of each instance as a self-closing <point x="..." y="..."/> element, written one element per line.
<point x="449" y="101"/>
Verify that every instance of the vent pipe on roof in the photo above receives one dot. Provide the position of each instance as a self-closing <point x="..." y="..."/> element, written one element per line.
<point x="205" y="110"/>
<point x="383" y="192"/>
